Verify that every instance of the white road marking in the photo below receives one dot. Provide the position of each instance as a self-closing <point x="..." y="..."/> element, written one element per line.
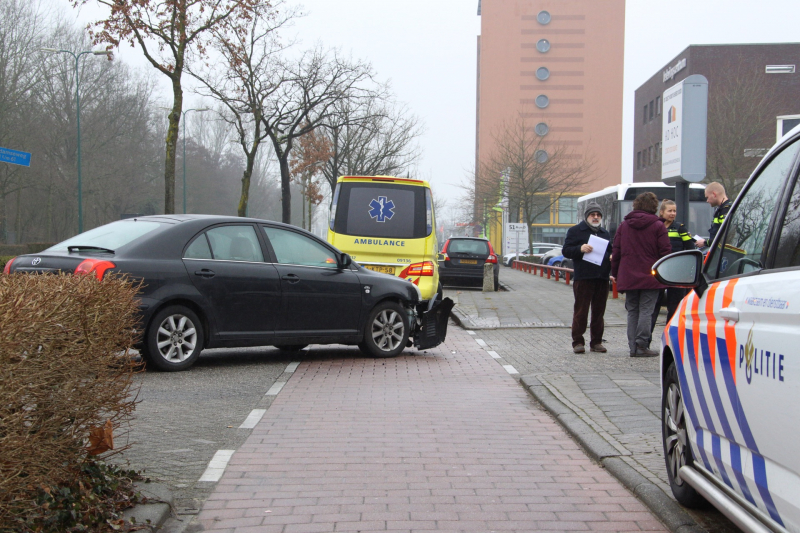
<point x="493" y="354"/>
<point x="471" y="332"/>
<point x="510" y="369"/>
<point x="481" y="342"/>
<point x="252" y="419"/>
<point x="292" y="367"/>
<point x="217" y="465"/>
<point x="276" y="388"/>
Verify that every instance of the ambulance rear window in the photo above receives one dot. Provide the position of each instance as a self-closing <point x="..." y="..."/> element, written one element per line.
<point x="381" y="210"/>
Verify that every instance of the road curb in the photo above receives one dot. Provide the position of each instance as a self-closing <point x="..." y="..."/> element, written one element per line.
<point x="155" y="511"/>
<point x="671" y="514"/>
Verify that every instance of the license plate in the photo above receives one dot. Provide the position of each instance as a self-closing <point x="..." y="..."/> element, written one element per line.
<point x="469" y="262"/>
<point x="379" y="268"/>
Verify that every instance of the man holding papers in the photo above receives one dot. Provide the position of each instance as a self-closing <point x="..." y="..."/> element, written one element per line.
<point x="588" y="245"/>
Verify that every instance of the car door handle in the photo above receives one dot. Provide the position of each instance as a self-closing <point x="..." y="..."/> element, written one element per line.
<point x="730" y="313"/>
<point x="205" y="273"/>
<point x="291" y="278"/>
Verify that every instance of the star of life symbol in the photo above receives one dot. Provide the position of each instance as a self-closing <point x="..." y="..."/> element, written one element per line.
<point x="381" y="209"/>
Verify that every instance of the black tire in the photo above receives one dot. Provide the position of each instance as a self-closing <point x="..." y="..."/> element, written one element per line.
<point x="674" y="438"/>
<point x="291" y="347"/>
<point x="381" y="338"/>
<point x="173" y="339"/>
<point x="496" y="281"/>
<point x="557" y="264"/>
<point x="439" y="292"/>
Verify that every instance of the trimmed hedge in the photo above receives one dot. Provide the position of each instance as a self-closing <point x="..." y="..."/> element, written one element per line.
<point x="66" y="383"/>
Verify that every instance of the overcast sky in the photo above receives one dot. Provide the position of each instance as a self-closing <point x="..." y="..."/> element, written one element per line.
<point x="427" y="48"/>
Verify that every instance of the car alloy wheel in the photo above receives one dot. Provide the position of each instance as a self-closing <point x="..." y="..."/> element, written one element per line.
<point x="386" y="332"/>
<point x="675" y="438"/>
<point x="174" y="339"/>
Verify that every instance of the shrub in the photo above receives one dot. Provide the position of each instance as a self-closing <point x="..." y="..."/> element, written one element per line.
<point x="65" y="383"/>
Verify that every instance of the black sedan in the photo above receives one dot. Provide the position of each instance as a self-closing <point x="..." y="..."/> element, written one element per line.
<point x="212" y="281"/>
<point x="462" y="258"/>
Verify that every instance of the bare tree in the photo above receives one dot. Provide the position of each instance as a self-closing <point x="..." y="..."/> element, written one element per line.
<point x="306" y="96"/>
<point x="179" y="28"/>
<point x="243" y="82"/>
<point x="22" y="27"/>
<point x="371" y="137"/>
<point x="532" y="171"/>
<point x="741" y="124"/>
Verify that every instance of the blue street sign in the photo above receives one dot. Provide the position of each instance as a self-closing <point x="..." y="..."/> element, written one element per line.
<point x="15" y="157"/>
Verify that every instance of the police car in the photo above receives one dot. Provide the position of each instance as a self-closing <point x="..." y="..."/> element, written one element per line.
<point x="730" y="356"/>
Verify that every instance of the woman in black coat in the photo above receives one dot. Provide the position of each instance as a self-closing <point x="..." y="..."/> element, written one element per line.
<point x="679" y="239"/>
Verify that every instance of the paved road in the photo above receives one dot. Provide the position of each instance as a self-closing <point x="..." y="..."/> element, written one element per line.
<point x="183" y="418"/>
<point x="444" y="440"/>
<point x="615" y="395"/>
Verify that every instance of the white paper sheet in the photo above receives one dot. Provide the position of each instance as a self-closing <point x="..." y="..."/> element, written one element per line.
<point x="598" y="252"/>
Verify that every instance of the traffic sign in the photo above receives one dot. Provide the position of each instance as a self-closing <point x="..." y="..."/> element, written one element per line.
<point x="15" y="157"/>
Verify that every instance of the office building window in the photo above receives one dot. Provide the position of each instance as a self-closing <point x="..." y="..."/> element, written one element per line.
<point x="568" y="211"/>
<point x="644" y="115"/>
<point x="542" y="73"/>
<point x="543" y="45"/>
<point x="658" y="106"/>
<point x="650" y="156"/>
<point x="638" y="160"/>
<point x="652" y="110"/>
<point x="543" y="17"/>
<point x="542" y="129"/>
<point x="658" y="152"/>
<point x="542" y="101"/>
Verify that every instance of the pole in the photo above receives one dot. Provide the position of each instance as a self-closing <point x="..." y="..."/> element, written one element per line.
<point x="184" y="161"/>
<point x="78" y="117"/>
<point x="682" y="202"/>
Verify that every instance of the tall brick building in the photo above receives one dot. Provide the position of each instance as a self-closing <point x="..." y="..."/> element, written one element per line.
<point x="753" y="83"/>
<point x="560" y="63"/>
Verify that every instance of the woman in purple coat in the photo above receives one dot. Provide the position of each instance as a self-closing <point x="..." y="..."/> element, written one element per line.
<point x="640" y="241"/>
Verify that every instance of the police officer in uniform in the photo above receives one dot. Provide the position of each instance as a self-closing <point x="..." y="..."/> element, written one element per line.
<point x="679" y="239"/>
<point x="716" y="197"/>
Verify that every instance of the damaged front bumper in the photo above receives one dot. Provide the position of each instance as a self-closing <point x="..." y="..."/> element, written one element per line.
<point x="431" y="323"/>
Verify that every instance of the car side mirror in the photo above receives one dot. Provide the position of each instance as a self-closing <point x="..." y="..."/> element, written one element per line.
<point x="345" y="261"/>
<point x="681" y="269"/>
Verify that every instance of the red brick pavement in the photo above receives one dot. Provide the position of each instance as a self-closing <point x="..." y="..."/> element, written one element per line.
<point x="445" y="440"/>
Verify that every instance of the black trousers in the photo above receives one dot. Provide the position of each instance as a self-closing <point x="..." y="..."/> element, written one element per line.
<point x="589" y="294"/>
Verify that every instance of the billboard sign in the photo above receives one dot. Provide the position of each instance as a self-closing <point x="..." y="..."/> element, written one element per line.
<point x="684" y="126"/>
<point x="516" y="238"/>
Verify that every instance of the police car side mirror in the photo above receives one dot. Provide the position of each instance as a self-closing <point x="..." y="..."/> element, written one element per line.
<point x="345" y="261"/>
<point x="681" y="269"/>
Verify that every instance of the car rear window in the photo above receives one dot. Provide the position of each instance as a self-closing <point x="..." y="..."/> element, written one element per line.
<point x="468" y="247"/>
<point x="112" y="236"/>
<point x="381" y="210"/>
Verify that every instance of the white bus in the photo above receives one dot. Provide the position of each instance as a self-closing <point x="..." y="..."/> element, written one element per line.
<point x="617" y="201"/>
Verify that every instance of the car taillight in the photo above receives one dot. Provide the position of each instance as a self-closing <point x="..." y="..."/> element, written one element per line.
<point x="7" y="268"/>
<point x="97" y="267"/>
<point x="418" y="269"/>
<point x="491" y="259"/>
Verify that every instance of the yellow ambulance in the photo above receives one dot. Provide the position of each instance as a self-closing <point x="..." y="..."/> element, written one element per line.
<point x="386" y="224"/>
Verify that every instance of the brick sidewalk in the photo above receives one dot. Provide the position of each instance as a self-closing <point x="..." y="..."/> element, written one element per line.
<point x="442" y="440"/>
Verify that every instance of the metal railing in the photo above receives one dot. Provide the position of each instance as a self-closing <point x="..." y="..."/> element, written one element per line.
<point x="553" y="272"/>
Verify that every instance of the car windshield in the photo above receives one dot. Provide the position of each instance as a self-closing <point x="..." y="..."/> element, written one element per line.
<point x="111" y="236"/>
<point x="468" y="247"/>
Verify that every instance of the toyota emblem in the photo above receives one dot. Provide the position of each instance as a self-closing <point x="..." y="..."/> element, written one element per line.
<point x="36" y="261"/>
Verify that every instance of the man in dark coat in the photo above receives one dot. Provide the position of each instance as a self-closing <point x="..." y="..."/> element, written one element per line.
<point x="716" y="197"/>
<point x="590" y="285"/>
<point x="640" y="241"/>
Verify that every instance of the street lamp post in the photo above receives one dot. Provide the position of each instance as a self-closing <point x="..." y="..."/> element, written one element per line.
<point x="183" y="120"/>
<point x="78" y="117"/>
